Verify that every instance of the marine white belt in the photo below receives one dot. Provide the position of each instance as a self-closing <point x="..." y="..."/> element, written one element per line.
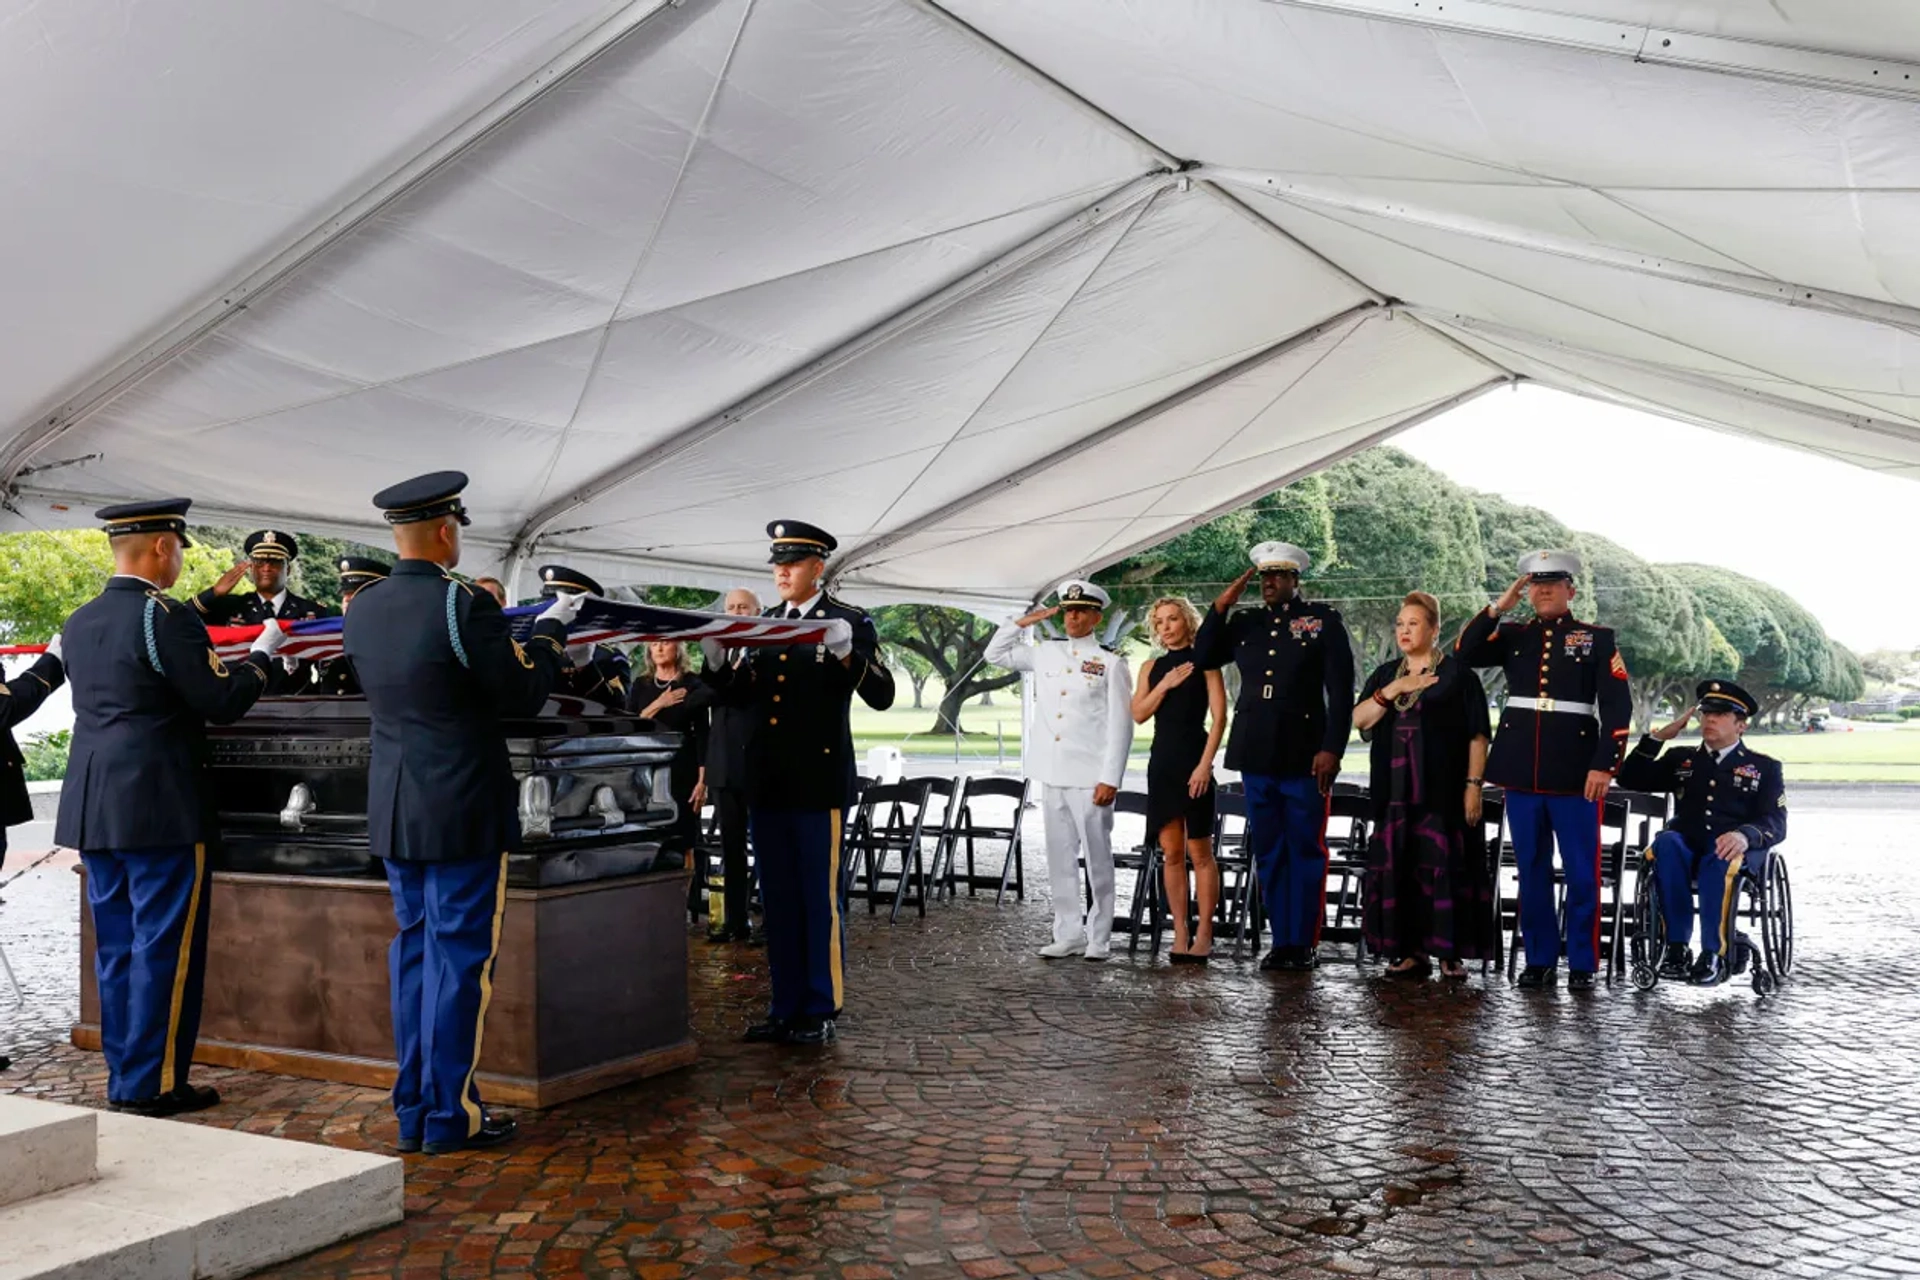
<point x="1554" y="704"/>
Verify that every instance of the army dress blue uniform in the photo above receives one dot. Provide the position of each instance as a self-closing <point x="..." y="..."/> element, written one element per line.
<point x="601" y="675"/>
<point x="439" y="670"/>
<point x="1735" y="789"/>
<point x="800" y="784"/>
<point x="1566" y="716"/>
<point x="146" y="682"/>
<point x="1296" y="701"/>
<point x="252" y="608"/>
<point x="334" y="678"/>
<point x="20" y="697"/>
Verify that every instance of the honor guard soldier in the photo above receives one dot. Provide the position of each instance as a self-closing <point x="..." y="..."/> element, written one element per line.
<point x="334" y="678"/>
<point x="269" y="552"/>
<point x="1732" y="808"/>
<point x="146" y="681"/>
<point x="1076" y="749"/>
<point x="1559" y="741"/>
<point x="799" y="778"/>
<point x="594" y="672"/>
<point x="439" y="669"/>
<point x="1290" y="729"/>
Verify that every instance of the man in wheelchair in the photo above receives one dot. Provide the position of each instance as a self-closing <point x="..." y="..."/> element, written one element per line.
<point x="1731" y="807"/>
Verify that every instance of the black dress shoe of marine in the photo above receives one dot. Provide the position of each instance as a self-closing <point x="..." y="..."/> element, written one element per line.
<point x="406" y="1146"/>
<point x="494" y="1130"/>
<point x="1305" y="958"/>
<point x="1274" y="959"/>
<point x="1535" y="977"/>
<point x="1579" y="979"/>
<point x="1710" y="970"/>
<point x="772" y="1031"/>
<point x="1677" y="962"/>
<point x="811" y="1031"/>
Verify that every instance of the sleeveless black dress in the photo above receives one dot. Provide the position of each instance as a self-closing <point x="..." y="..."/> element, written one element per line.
<point x="1179" y="740"/>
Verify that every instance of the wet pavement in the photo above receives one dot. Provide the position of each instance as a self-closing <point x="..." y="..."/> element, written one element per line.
<point x="989" y="1114"/>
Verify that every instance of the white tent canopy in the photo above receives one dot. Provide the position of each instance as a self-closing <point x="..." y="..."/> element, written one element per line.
<point x="998" y="290"/>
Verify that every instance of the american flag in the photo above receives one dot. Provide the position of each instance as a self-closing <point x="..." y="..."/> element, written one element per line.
<point x="600" y="622"/>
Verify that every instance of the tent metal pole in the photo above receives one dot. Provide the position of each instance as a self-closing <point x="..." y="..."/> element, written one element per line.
<point x="1287" y="190"/>
<point x="1642" y="42"/>
<point x="1110" y="206"/>
<point x="55" y="420"/>
<point x="866" y="551"/>
<point x="1367" y="441"/>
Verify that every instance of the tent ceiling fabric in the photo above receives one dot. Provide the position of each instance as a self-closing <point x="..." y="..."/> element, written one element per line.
<point x="997" y="291"/>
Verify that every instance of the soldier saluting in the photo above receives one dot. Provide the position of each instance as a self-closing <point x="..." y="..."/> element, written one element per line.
<point x="440" y="669"/>
<point x="1558" y="743"/>
<point x="270" y="553"/>
<point x="800" y="772"/>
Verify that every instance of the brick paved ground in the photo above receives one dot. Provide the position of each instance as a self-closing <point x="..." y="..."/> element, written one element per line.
<point x="990" y="1115"/>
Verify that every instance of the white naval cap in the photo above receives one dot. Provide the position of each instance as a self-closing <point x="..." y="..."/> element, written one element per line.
<point x="1546" y="566"/>
<point x="1270" y="557"/>
<point x="1078" y="591"/>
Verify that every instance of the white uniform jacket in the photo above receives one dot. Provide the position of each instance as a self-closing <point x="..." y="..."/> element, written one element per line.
<point x="1081" y="722"/>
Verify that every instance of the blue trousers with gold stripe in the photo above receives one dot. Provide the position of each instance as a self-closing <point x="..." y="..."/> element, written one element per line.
<point x="150" y="963"/>
<point x="440" y="967"/>
<point x="799" y="857"/>
<point x="1676" y="865"/>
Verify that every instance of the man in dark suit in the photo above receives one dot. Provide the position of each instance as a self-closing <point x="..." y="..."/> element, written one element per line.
<point x="593" y="671"/>
<point x="334" y="678"/>
<point x="146" y="681"/>
<point x="20" y="697"/>
<point x="1732" y="809"/>
<point x="440" y="669"/>
<point x="269" y="555"/>
<point x="726" y="779"/>
<point x="800" y="773"/>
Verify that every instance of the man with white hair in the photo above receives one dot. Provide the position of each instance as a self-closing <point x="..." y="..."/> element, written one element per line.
<point x="1077" y="739"/>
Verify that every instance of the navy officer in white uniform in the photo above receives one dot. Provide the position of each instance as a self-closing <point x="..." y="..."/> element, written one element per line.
<point x="1077" y="739"/>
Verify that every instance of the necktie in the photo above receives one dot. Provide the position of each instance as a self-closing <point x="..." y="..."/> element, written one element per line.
<point x="793" y="611"/>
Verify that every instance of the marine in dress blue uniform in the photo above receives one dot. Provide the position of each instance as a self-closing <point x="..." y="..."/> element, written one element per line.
<point x="334" y="678"/>
<point x="270" y="553"/>
<point x="146" y="681"/>
<point x="800" y="773"/>
<point x="1731" y="810"/>
<point x="1559" y="741"/>
<point x="439" y="670"/>
<point x="593" y="672"/>
<point x="1290" y="728"/>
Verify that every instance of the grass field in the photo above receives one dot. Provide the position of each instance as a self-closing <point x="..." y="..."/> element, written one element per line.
<point x="1871" y="753"/>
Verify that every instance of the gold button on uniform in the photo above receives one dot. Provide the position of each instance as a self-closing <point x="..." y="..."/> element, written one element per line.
<point x="773" y="719"/>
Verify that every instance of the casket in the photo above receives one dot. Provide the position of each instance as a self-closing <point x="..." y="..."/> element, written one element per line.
<point x="589" y="985"/>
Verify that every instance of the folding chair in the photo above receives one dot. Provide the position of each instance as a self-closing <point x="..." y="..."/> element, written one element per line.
<point x="943" y="800"/>
<point x="1349" y="828"/>
<point x="1628" y="822"/>
<point x="1145" y="861"/>
<point x="892" y="818"/>
<point x="970" y="831"/>
<point x="1239" y="885"/>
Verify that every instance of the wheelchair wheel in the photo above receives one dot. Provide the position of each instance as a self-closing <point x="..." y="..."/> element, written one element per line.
<point x="1649" y="941"/>
<point x="1764" y="983"/>
<point x="1645" y="976"/>
<point x="1776" y="919"/>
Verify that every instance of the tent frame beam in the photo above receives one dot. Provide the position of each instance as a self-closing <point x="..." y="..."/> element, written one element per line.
<point x="1114" y="204"/>
<point x="1266" y="488"/>
<point x="866" y="551"/>
<point x="1642" y="42"/>
<point x="1288" y="190"/>
<point x="54" y="421"/>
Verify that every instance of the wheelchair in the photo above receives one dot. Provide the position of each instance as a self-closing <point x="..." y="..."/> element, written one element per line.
<point x="1761" y="924"/>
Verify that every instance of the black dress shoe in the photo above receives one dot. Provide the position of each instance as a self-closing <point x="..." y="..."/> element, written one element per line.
<point x="1579" y="979"/>
<point x="811" y="1031"/>
<point x="1710" y="970"/>
<point x="1301" y="959"/>
<point x="406" y="1146"/>
<point x="772" y="1031"/>
<point x="1677" y="962"/>
<point x="1273" y="960"/>
<point x="183" y="1099"/>
<point x="718" y="936"/>
<point x="494" y="1130"/>
<point x="1536" y="977"/>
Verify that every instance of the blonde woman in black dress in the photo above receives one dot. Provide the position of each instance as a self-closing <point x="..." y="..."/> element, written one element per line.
<point x="1188" y="708"/>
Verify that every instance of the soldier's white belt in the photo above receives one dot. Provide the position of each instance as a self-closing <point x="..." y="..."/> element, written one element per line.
<point x="1554" y="704"/>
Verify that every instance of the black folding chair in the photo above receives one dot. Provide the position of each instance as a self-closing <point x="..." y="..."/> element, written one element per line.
<point x="1145" y="861"/>
<point x="1239" y="913"/>
<point x="1628" y="822"/>
<point x="973" y="831"/>
<point x="943" y="802"/>
<point x="892" y="816"/>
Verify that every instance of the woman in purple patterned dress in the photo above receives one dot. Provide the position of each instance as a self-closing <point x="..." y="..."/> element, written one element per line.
<point x="1426" y="893"/>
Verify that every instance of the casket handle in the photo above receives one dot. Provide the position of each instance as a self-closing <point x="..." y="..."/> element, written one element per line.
<point x="604" y="804"/>
<point x="299" y="804"/>
<point x="536" y="805"/>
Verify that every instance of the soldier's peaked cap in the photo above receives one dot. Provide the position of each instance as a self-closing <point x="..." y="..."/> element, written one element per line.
<point x="155" y="515"/>
<point x="424" y="497"/>
<point x="358" y="571"/>
<point x="797" y="540"/>
<point x="555" y="578"/>
<point x="271" y="544"/>
<point x="1550" y="566"/>
<point x="1077" y="593"/>
<point x="1724" y="695"/>
<point x="1280" y="557"/>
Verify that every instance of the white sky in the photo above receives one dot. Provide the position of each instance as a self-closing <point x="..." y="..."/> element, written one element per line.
<point x="1823" y="531"/>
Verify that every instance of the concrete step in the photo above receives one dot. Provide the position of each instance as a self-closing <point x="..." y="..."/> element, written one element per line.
<point x="43" y="1148"/>
<point x="181" y="1201"/>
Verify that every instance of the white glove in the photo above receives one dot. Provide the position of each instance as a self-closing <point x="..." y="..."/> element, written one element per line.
<point x="53" y="645"/>
<point x="579" y="654"/>
<point x="289" y="664"/>
<point x="270" y="639"/>
<point x="714" y="654"/>
<point x="841" y="643"/>
<point x="564" y="609"/>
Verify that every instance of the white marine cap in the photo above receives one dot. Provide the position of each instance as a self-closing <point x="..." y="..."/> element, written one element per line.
<point x="1548" y="565"/>
<point x="1269" y="557"/>
<point x="1081" y="592"/>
